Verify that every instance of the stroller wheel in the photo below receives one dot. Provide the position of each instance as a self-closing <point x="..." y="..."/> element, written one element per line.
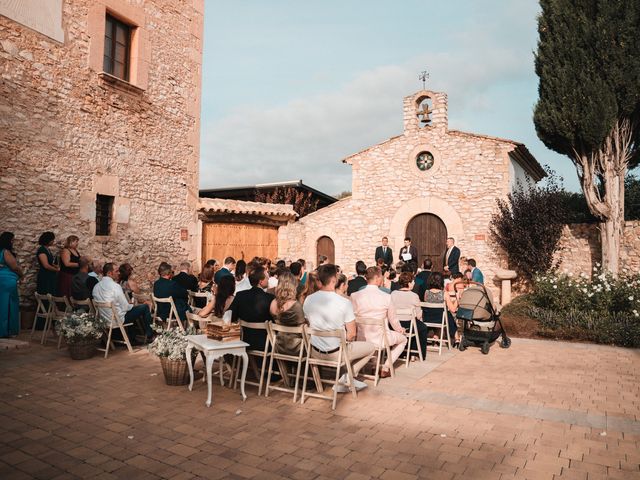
<point x="506" y="342"/>
<point x="462" y="346"/>
<point x="485" y="348"/>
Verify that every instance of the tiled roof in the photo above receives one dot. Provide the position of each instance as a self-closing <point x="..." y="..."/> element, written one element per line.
<point x="219" y="205"/>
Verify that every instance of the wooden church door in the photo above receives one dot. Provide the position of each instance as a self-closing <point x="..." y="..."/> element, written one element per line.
<point x="326" y="247"/>
<point x="429" y="235"/>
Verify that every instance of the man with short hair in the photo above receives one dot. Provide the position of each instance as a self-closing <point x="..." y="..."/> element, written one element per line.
<point x="371" y="302"/>
<point x="229" y="266"/>
<point x="82" y="283"/>
<point x="326" y="310"/>
<point x="451" y="257"/>
<point x="253" y="306"/>
<point x="358" y="282"/>
<point x="384" y="252"/>
<point x="185" y="278"/>
<point x="108" y="290"/>
<point x="408" y="253"/>
<point x="166" y="287"/>
<point x="476" y="274"/>
<point x="421" y="279"/>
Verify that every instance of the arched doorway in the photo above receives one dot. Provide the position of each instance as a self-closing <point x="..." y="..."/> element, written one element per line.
<point x="429" y="235"/>
<point x="326" y="247"/>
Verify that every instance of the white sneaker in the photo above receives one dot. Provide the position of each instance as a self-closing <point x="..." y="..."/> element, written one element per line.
<point x="340" y="388"/>
<point x="359" y="385"/>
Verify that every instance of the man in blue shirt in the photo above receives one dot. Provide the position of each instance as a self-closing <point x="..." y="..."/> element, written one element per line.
<point x="476" y="273"/>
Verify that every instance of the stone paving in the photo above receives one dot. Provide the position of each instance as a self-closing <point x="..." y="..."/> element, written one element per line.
<point x="539" y="410"/>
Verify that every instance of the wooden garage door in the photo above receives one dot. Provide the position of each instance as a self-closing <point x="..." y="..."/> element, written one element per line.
<point x="429" y="235"/>
<point x="327" y="248"/>
<point x="220" y="240"/>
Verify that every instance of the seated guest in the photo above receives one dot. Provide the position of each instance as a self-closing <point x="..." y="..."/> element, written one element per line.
<point x="108" y="290"/>
<point x="406" y="298"/>
<point x="468" y="275"/>
<point x="296" y="270"/>
<point x="386" y="281"/>
<point x="476" y="274"/>
<point x="222" y="300"/>
<point x="128" y="284"/>
<point x="371" y="302"/>
<point x="241" y="271"/>
<point x="303" y="263"/>
<point x="244" y="284"/>
<point x="393" y="280"/>
<point x="341" y="285"/>
<point x="253" y="306"/>
<point x="326" y="311"/>
<point x="82" y="284"/>
<point x="229" y="266"/>
<point x="311" y="287"/>
<point x="420" y="283"/>
<point x="165" y="287"/>
<point x="287" y="311"/>
<point x="205" y="285"/>
<point x="185" y="278"/>
<point x="273" y="279"/>
<point x="95" y="270"/>
<point x="359" y="282"/>
<point x="435" y="294"/>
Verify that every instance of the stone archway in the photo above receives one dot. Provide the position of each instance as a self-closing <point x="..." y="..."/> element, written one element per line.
<point x="326" y="247"/>
<point x="417" y="206"/>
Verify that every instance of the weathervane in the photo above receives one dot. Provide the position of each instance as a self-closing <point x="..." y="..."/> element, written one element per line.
<point x="423" y="76"/>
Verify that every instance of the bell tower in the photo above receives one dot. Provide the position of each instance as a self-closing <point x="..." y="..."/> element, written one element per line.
<point x="425" y="109"/>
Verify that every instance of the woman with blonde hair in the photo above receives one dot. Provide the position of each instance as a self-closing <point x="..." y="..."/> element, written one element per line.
<point x="69" y="265"/>
<point x="287" y="311"/>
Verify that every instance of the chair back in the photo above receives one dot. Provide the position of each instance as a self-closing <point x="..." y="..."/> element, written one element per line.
<point x="84" y="303"/>
<point x="274" y="329"/>
<point x="41" y="310"/>
<point x="173" y="311"/>
<point x="244" y="325"/>
<point x="405" y="314"/>
<point x="199" y="322"/>
<point x="56" y="303"/>
<point x="339" y="333"/>
<point x="107" y="311"/>
<point x="433" y="305"/>
<point x="195" y="295"/>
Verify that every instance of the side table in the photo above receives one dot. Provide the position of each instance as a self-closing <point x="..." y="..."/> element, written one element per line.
<point x="213" y="349"/>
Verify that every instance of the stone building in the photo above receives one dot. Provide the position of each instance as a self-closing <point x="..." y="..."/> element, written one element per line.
<point x="427" y="183"/>
<point x="99" y="127"/>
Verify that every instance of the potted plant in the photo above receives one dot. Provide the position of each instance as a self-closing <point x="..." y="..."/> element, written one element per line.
<point x="171" y="346"/>
<point x="81" y="331"/>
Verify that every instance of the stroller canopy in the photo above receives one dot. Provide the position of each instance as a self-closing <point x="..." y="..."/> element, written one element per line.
<point x="478" y="299"/>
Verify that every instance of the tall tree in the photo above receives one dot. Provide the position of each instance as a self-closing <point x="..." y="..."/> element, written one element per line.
<point x="588" y="62"/>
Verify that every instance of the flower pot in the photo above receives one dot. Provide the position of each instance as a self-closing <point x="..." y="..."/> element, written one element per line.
<point x="176" y="372"/>
<point x="82" y="349"/>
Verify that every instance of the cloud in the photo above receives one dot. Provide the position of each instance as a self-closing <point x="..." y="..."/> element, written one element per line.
<point x="306" y="138"/>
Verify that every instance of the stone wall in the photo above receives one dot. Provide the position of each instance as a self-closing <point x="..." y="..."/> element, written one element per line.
<point x="68" y="132"/>
<point x="580" y="247"/>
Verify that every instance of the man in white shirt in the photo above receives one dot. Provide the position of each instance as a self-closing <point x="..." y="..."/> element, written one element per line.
<point x="326" y="311"/>
<point x="108" y="290"/>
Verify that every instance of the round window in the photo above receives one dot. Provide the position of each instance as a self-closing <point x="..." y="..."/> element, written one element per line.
<point x="424" y="161"/>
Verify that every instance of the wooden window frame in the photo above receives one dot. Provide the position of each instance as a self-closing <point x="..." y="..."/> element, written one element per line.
<point x="110" y="69"/>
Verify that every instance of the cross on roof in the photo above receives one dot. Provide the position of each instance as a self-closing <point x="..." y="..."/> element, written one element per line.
<point x="424" y="75"/>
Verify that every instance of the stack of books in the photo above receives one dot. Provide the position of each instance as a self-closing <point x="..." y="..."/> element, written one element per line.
<point x="223" y="332"/>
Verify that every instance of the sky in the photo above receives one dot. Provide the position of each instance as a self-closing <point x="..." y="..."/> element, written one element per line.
<point x="290" y="88"/>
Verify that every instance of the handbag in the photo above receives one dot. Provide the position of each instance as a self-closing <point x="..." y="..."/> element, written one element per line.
<point x="465" y="314"/>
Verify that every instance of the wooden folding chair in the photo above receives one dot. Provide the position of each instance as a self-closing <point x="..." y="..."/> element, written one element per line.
<point x="110" y="314"/>
<point x="194" y="296"/>
<point x="275" y="332"/>
<point x="83" y="303"/>
<point x="58" y="314"/>
<point x="43" y="312"/>
<point x="200" y="323"/>
<point x="443" y="326"/>
<point x="173" y="312"/>
<point x="382" y="347"/>
<point x="253" y="354"/>
<point x="408" y="315"/>
<point x="315" y="363"/>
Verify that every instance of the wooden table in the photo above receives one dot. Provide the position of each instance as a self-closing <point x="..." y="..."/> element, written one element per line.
<point x="213" y="349"/>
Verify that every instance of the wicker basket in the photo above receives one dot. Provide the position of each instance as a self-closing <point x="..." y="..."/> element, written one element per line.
<point x="82" y="349"/>
<point x="176" y="372"/>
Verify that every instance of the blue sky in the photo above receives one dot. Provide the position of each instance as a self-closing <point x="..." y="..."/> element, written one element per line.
<point x="291" y="87"/>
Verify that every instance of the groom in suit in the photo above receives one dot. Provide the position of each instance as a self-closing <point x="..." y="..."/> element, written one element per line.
<point x="451" y="258"/>
<point x="410" y="249"/>
<point x="384" y="252"/>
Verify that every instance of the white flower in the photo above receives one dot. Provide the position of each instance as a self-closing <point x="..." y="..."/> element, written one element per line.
<point x="631" y="298"/>
<point x="555" y="287"/>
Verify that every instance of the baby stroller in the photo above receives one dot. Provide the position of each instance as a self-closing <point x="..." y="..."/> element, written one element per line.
<point x="481" y="325"/>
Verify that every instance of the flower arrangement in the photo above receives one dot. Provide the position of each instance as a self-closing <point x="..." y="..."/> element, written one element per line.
<point x="79" y="327"/>
<point x="171" y="343"/>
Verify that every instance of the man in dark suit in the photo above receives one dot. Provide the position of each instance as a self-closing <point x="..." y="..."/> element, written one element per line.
<point x="358" y="282"/>
<point x="253" y="306"/>
<point x="410" y="250"/>
<point x="229" y="266"/>
<point x="420" y="285"/>
<point x="384" y="252"/>
<point x="451" y="258"/>
<point x="165" y="287"/>
<point x="185" y="278"/>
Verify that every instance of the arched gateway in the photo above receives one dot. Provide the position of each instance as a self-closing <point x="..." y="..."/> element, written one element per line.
<point x="429" y="235"/>
<point x="326" y="247"/>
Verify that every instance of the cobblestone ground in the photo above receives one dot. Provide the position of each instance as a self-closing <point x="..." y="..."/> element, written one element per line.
<point x="539" y="410"/>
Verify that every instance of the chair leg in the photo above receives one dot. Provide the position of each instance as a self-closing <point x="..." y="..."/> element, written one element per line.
<point x="298" y="368"/>
<point x="108" y="345"/>
<point x="261" y="382"/>
<point x="304" y="381"/>
<point x="269" y="373"/>
<point x="59" y="341"/>
<point x="335" y="390"/>
<point x="376" y="378"/>
<point x="441" y="339"/>
<point x="448" y="336"/>
<point x="33" y="327"/>
<point x="126" y="338"/>
<point x="391" y="368"/>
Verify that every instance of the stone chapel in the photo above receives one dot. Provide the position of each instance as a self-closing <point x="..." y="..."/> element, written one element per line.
<point x="428" y="183"/>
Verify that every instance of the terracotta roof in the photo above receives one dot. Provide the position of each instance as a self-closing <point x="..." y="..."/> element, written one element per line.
<point x="219" y="205"/>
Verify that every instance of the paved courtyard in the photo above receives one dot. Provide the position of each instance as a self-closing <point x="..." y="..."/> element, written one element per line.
<point x="540" y="410"/>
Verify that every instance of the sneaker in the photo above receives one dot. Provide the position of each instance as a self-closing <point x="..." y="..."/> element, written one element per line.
<point x="359" y="385"/>
<point x="340" y="388"/>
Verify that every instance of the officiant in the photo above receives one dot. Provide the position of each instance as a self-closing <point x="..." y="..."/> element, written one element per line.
<point x="408" y="253"/>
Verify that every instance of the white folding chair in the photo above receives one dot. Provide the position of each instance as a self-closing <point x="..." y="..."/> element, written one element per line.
<point x="59" y="313"/>
<point x="382" y="347"/>
<point x="253" y="354"/>
<point x="275" y="332"/>
<point x="83" y="303"/>
<point x="443" y="326"/>
<point x="194" y="296"/>
<point x="107" y="311"/>
<point x="408" y="315"/>
<point x="173" y="312"/>
<point x="200" y="323"/>
<point x="314" y="364"/>
<point x="43" y="312"/>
